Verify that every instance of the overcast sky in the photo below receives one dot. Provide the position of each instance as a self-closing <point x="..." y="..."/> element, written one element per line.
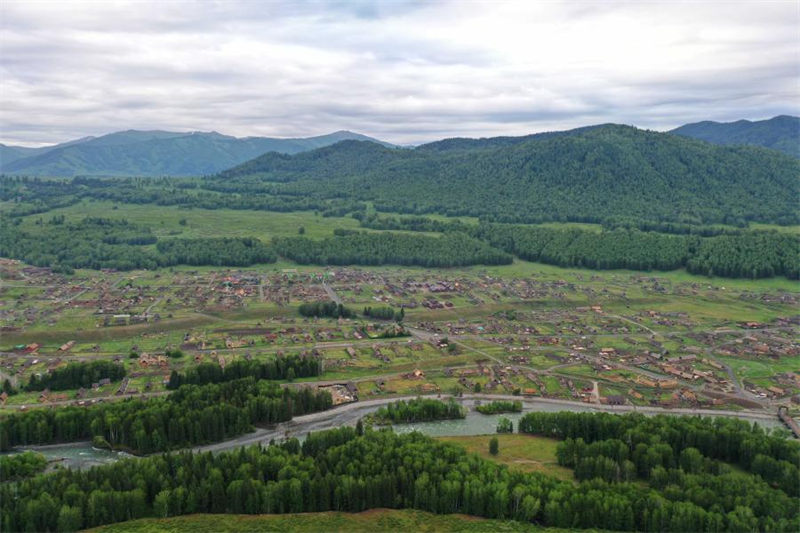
<point x="402" y="71"/>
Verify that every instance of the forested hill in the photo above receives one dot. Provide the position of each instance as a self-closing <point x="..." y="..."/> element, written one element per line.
<point x="591" y="174"/>
<point x="779" y="133"/>
<point x="154" y="153"/>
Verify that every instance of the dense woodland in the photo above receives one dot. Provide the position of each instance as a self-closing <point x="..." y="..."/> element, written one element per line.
<point x="21" y="465"/>
<point x="351" y="470"/>
<point x="76" y="375"/>
<point x="286" y="367"/>
<point x="215" y="251"/>
<point x="779" y="133"/>
<point x="748" y="255"/>
<point x="190" y="415"/>
<point x="360" y="248"/>
<point x="104" y="243"/>
<point x="417" y="410"/>
<point x="642" y="446"/>
<point x="585" y="175"/>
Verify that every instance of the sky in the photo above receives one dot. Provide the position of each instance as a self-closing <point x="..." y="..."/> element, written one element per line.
<point x="403" y="71"/>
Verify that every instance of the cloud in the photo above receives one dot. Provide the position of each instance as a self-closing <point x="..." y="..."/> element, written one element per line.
<point x="403" y="71"/>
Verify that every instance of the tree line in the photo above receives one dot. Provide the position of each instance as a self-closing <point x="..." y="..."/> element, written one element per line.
<point x="243" y="251"/>
<point x="98" y="243"/>
<point x="286" y="367"/>
<point x="499" y="406"/>
<point x="385" y="313"/>
<point x="385" y="248"/>
<point x="417" y="410"/>
<point x="190" y="415"/>
<point x="76" y="375"/>
<point x="352" y="470"/>
<point x="325" y="309"/>
<point x="753" y="254"/>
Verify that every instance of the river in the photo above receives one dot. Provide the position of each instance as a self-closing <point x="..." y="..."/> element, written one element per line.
<point x="82" y="455"/>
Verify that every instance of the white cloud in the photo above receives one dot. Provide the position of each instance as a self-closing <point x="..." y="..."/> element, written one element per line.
<point x="402" y="71"/>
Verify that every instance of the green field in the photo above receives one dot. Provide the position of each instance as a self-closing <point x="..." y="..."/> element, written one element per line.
<point x="525" y="453"/>
<point x="370" y="521"/>
<point x="166" y="221"/>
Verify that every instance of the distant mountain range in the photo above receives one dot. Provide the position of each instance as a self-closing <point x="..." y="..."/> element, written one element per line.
<point x="780" y="133"/>
<point x="155" y="153"/>
<point x="164" y="153"/>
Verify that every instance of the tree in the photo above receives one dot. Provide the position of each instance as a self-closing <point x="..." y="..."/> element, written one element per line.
<point x="69" y="518"/>
<point x="504" y="425"/>
<point x="494" y="446"/>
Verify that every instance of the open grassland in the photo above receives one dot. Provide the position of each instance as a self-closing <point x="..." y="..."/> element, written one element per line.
<point x="519" y="452"/>
<point x="367" y="522"/>
<point x="166" y="221"/>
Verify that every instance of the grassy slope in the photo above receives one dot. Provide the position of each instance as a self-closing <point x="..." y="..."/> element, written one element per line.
<point x="367" y="521"/>
<point x="519" y="452"/>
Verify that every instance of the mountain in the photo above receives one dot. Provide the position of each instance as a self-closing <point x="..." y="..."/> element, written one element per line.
<point x="591" y="174"/>
<point x="154" y="153"/>
<point x="780" y="133"/>
<point x="13" y="153"/>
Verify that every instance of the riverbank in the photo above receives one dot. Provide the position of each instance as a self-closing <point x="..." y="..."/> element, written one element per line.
<point x="82" y="455"/>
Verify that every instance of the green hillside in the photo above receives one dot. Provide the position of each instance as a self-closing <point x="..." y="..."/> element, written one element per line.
<point x="586" y="175"/>
<point x="154" y="153"/>
<point x="779" y="133"/>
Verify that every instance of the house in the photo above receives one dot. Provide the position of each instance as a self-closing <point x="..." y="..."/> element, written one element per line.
<point x="613" y="400"/>
<point x="416" y="374"/>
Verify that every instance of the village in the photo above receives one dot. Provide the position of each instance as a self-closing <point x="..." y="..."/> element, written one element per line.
<point x="590" y="338"/>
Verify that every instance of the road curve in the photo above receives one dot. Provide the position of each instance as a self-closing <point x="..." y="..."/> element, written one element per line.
<point x="350" y="413"/>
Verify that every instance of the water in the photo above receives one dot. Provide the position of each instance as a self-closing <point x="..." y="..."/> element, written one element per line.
<point x="80" y="455"/>
<point x="476" y="423"/>
<point x="83" y="455"/>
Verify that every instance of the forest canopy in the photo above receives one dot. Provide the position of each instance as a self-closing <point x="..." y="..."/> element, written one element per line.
<point x="682" y="484"/>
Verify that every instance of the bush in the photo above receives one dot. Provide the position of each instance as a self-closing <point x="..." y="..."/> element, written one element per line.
<point x="504" y="425"/>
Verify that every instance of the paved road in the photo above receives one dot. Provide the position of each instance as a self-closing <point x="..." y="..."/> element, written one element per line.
<point x="349" y="414"/>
